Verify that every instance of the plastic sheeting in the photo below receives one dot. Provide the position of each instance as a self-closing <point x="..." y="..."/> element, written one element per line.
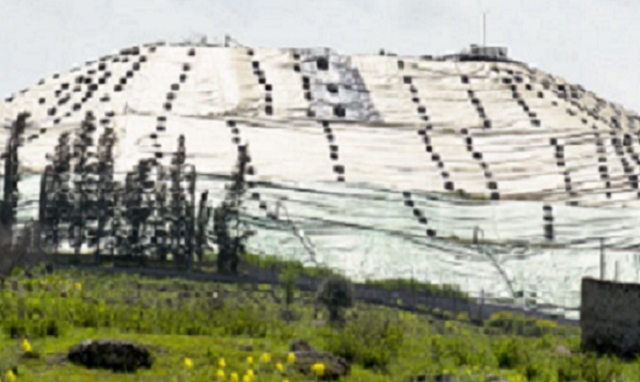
<point x="387" y="164"/>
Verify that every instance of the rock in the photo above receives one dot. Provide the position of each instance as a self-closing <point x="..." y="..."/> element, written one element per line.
<point x="307" y="355"/>
<point x="116" y="355"/>
<point x="300" y="345"/>
<point x="562" y="350"/>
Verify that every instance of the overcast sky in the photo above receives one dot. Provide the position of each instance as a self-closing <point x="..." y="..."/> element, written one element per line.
<point x="589" y="42"/>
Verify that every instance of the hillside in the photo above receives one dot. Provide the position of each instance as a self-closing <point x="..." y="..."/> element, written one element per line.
<point x="372" y="155"/>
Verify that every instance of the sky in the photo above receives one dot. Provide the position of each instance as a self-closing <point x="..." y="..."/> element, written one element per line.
<point x="587" y="42"/>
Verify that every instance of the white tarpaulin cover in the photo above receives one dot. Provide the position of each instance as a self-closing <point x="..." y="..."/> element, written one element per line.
<point x="387" y="163"/>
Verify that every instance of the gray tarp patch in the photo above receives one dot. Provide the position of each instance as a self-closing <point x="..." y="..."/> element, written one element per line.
<point x="337" y="88"/>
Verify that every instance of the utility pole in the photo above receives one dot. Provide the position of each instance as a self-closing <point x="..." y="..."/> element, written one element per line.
<point x="602" y="259"/>
<point x="484" y="28"/>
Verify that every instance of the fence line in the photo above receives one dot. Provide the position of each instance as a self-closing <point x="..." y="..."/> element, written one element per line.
<point x="410" y="301"/>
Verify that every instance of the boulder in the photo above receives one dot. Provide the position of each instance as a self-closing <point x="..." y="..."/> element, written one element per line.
<point x="562" y="350"/>
<point x="116" y="355"/>
<point x="307" y="355"/>
<point x="300" y="346"/>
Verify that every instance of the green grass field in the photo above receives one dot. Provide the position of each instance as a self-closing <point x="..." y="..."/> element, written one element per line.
<point x="202" y="322"/>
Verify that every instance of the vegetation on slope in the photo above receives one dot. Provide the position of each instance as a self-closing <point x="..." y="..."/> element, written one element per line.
<point x="200" y="323"/>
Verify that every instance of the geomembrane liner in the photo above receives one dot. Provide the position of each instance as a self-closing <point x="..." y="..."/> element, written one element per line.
<point x="388" y="164"/>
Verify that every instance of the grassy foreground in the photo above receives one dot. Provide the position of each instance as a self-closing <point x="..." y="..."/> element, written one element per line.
<point x="191" y="326"/>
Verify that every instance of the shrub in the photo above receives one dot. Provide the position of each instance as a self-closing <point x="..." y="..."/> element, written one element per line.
<point x="371" y="341"/>
<point x="245" y="320"/>
<point x="589" y="368"/>
<point x="396" y="284"/>
<point x="336" y="293"/>
<point x="506" y="322"/>
<point x="288" y="280"/>
<point x="16" y="328"/>
<point x="518" y="324"/>
<point x="511" y="352"/>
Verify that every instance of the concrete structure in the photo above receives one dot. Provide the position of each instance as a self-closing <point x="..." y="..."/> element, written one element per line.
<point x="480" y="53"/>
<point x="610" y="316"/>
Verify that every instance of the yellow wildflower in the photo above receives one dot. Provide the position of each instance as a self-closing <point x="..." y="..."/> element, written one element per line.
<point x="220" y="374"/>
<point x="10" y="376"/>
<point x="318" y="368"/>
<point x="291" y="358"/>
<point x="247" y="378"/>
<point x="78" y="286"/>
<point x="285" y="380"/>
<point x="26" y="346"/>
<point x="234" y="377"/>
<point x="279" y="367"/>
<point x="266" y="357"/>
<point x="250" y="373"/>
<point x="188" y="362"/>
<point x="250" y="360"/>
<point x="221" y="363"/>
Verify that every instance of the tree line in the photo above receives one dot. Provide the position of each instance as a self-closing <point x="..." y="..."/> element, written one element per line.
<point x="154" y="214"/>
